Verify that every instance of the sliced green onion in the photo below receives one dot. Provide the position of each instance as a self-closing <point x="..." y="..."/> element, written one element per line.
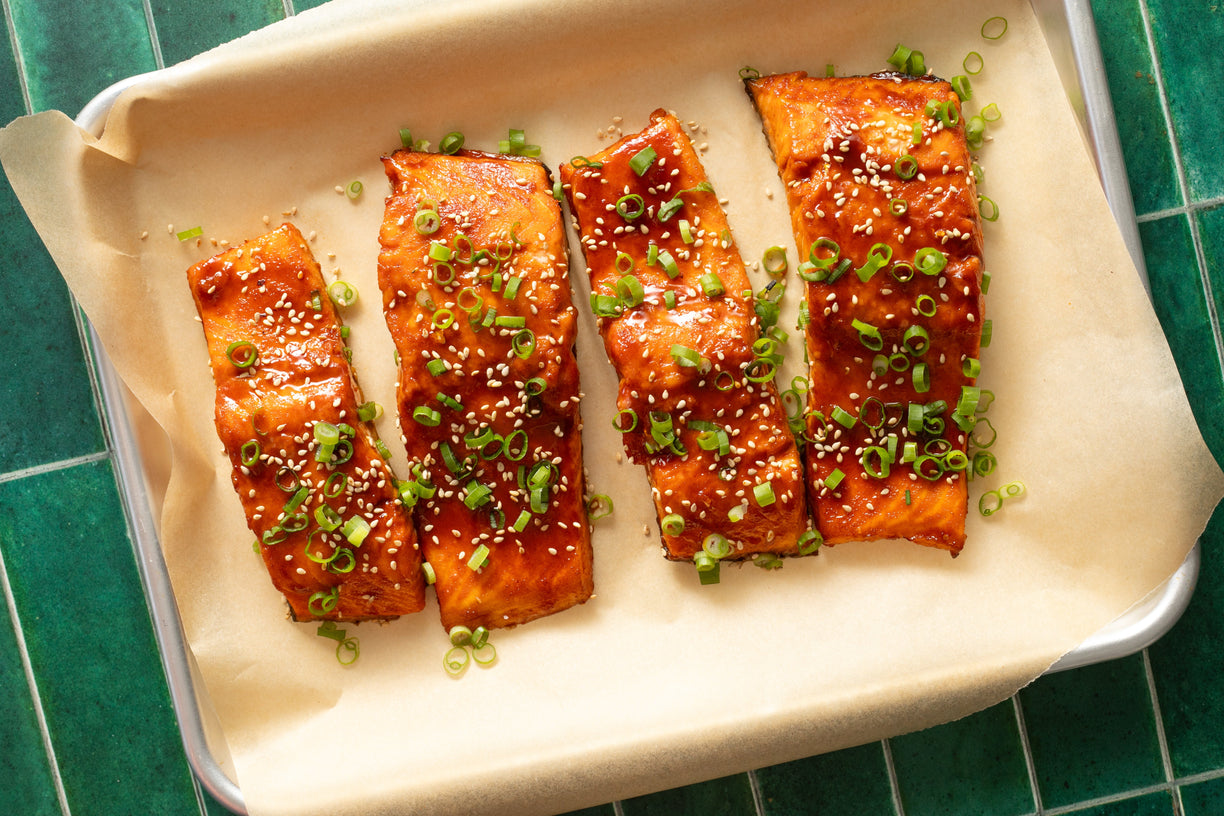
<point x="323" y="601"/>
<point x="520" y="523"/>
<point x="809" y="542"/>
<point x="456" y="660"/>
<point x="774" y="261"/>
<point x="353" y="190"/>
<point x="479" y="558"/>
<point x="991" y="113"/>
<point x="900" y="57"/>
<point x="342" y="293"/>
<point x="426" y="222"/>
<point x="962" y="87"/>
<point x="451" y="143"/>
<point x="624" y="263"/>
<point x="922" y="378"/>
<point x="868" y="334"/>
<point x="633" y="420"/>
<point x="902" y="271"/>
<point x="834" y="478"/>
<point x="973" y="63"/>
<point x="843" y="417"/>
<point x="630" y="206"/>
<point x="877" y="257"/>
<point x="988" y="209"/>
<point x="767" y="560"/>
<point x="672" y="524"/>
<point x="916" y="340"/>
<point x="906" y="167"/>
<point x="949" y="113"/>
<point x="429" y="417"/>
<point x="523" y="343"/>
<point x="606" y="305"/>
<point x="242" y="353"/>
<point x="987" y="332"/>
<point x="926" y="305"/>
<point x="483" y="653"/>
<point x="686" y="357"/>
<point x="355" y="530"/>
<point x="916" y="64"/>
<point x="630" y="290"/>
<point x="437" y="367"/>
<point x="250" y="452"/>
<point x="712" y="285"/>
<point x="971" y="367"/>
<point x="368" y="411"/>
<point x="898" y="206"/>
<point x="642" y="160"/>
<point x="994" y="28"/>
<point x="476" y="494"/>
<point x="764" y="494"/>
<point x="930" y="261"/>
<point x="599" y="506"/>
<point x="716" y="545"/>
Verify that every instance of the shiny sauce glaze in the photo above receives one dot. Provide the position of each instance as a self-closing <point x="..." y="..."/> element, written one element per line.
<point x="884" y="208"/>
<point x="326" y="515"/>
<point x="473" y="272"/>
<point x="697" y="405"/>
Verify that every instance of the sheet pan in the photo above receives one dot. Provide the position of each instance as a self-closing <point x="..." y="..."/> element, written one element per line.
<point x="140" y="454"/>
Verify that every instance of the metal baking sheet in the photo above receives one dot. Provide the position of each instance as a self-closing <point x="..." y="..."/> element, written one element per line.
<point x="1071" y="35"/>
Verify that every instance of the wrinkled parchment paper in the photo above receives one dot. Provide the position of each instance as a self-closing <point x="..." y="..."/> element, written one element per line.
<point x="656" y="681"/>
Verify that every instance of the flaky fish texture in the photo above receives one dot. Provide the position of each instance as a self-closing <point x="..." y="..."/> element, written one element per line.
<point x="474" y="278"/>
<point x="676" y="311"/>
<point x="884" y="208"/>
<point x="318" y="494"/>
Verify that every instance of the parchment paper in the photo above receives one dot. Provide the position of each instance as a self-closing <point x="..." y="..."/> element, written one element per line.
<point x="657" y="681"/>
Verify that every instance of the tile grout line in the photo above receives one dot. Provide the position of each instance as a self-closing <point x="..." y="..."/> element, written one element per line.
<point x="1183" y="187"/>
<point x="1185" y="209"/>
<point x="22" y="79"/>
<point x="893" y="784"/>
<point x="1107" y="799"/>
<point x="618" y="809"/>
<point x="1162" y="740"/>
<point x="154" y="40"/>
<point x="27" y="667"/>
<point x="758" y="799"/>
<point x="288" y="6"/>
<point x="1030" y="765"/>
<point x="52" y="467"/>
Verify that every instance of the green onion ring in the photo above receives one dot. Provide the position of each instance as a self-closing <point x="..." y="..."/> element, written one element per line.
<point x="242" y="353"/>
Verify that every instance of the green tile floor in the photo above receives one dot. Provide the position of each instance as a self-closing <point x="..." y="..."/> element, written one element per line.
<point x="86" y="725"/>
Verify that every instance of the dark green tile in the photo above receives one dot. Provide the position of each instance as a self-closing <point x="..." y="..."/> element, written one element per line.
<point x="302" y="5"/>
<point x="1136" y="101"/>
<point x="1152" y="804"/>
<point x="12" y="104"/>
<point x="602" y="810"/>
<point x="1188" y="34"/>
<point x="1203" y="798"/>
<point x="91" y="644"/>
<point x="1188" y="663"/>
<point x="1181" y="305"/>
<point x="728" y="796"/>
<point x="187" y="29"/>
<point x="26" y="784"/>
<point x="1092" y="732"/>
<point x="844" y="783"/>
<point x="74" y="50"/>
<point x="47" y="410"/>
<point x="977" y="759"/>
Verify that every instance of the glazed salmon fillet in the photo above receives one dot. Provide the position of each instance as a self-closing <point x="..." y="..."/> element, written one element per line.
<point x="884" y="207"/>
<point x="675" y="308"/>
<point x="318" y="494"/>
<point x="474" y="278"/>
